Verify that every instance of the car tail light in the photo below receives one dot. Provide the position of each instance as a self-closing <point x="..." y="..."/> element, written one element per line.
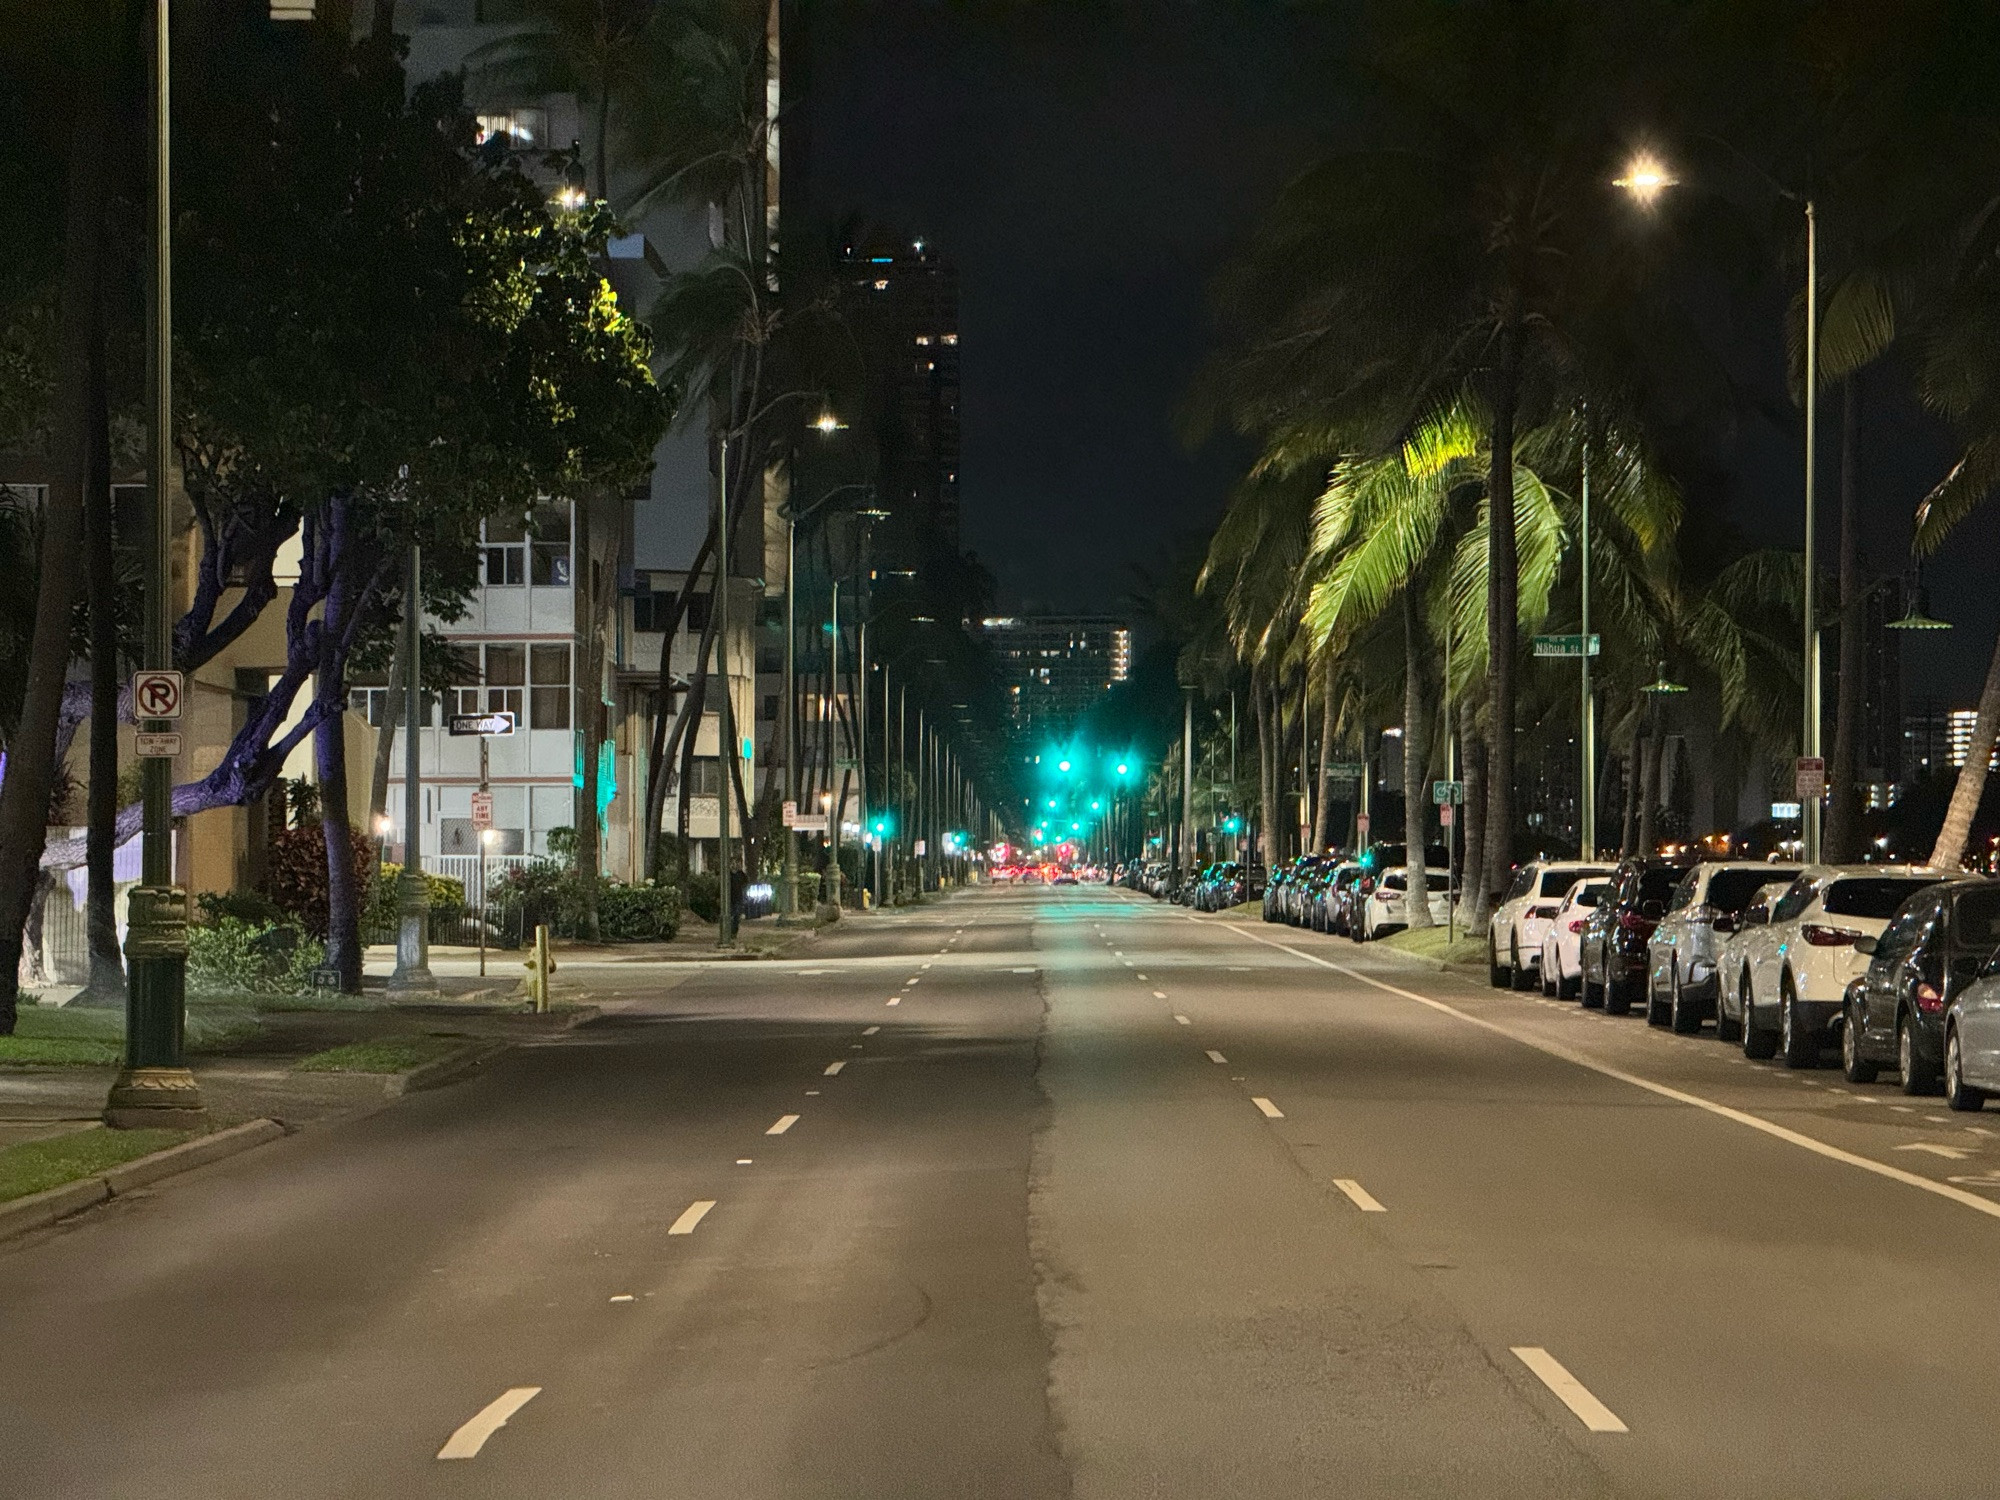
<point x="1827" y="937"/>
<point x="1577" y="924"/>
<point x="1929" y="1001"/>
<point x="1367" y="884"/>
<point x="1631" y="921"/>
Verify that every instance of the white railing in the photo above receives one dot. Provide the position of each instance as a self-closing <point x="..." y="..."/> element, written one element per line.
<point x="464" y="868"/>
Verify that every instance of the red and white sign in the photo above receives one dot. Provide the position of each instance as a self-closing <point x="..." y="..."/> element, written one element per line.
<point x="156" y="695"/>
<point x="158" y="746"/>
<point x="791" y="813"/>
<point x="1361" y="824"/>
<point x="1811" y="776"/>
<point x="1444" y="814"/>
<point x="482" y="810"/>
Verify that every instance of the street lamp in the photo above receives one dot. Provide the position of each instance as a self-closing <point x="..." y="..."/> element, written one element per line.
<point x="1645" y="179"/>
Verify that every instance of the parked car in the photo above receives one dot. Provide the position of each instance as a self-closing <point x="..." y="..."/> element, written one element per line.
<point x="1336" y="898"/>
<point x="1385" y="909"/>
<point x="1792" y="974"/>
<point x="1312" y="873"/>
<point x="1729" y="957"/>
<point x="1680" y="978"/>
<point x="1562" y="945"/>
<point x="1612" y="956"/>
<point x="1972" y="1040"/>
<point x="1893" y="1015"/>
<point x="1520" y="921"/>
<point x="1277" y="891"/>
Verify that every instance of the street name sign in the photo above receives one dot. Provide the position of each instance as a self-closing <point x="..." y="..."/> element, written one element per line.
<point x="1567" y="645"/>
<point x="809" y="823"/>
<point x="156" y="695"/>
<point x="1346" y="770"/>
<point x="462" y="725"/>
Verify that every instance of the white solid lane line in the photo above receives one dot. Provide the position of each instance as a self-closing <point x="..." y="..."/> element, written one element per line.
<point x="1359" y="1196"/>
<point x="1020" y="971"/>
<point x="785" y="1122"/>
<point x="624" y="1297"/>
<point x="469" y="1439"/>
<point x="1594" y="1414"/>
<point x="1271" y="1111"/>
<point x="870" y="1031"/>
<point x="1216" y="1057"/>
<point x="693" y="1214"/>
<point x="834" y="1067"/>
<point x="1182" y="1019"/>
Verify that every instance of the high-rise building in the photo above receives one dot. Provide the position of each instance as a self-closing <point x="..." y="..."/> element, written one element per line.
<point x="901" y="303"/>
<point x="1054" y="668"/>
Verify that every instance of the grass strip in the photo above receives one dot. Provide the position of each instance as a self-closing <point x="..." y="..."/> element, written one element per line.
<point x="385" y="1054"/>
<point x="36" y="1166"/>
<point x="1429" y="942"/>
<point x="59" y="1052"/>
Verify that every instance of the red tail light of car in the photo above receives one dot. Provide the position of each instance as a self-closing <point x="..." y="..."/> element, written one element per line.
<point x="1577" y="924"/>
<point x="1631" y="921"/>
<point x="1367" y="885"/>
<point x="1929" y="1001"/>
<point x="1827" y="937"/>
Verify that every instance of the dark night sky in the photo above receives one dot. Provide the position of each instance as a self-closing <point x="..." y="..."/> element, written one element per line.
<point x="1088" y="174"/>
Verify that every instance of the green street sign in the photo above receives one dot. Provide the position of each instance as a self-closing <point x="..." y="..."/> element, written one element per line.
<point x="1567" y="645"/>
<point x="1346" y="770"/>
<point x="1447" y="791"/>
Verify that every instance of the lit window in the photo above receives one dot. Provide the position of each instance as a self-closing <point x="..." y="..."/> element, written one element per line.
<point x="924" y="339"/>
<point x="881" y="286"/>
<point x="521" y="127"/>
<point x="949" y="338"/>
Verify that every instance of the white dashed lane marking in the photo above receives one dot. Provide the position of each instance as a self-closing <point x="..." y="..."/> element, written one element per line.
<point x="692" y="1215"/>
<point x="785" y="1122"/>
<point x="1594" y="1414"/>
<point x="1359" y="1196"/>
<point x="834" y="1067"/>
<point x="1216" y="1057"/>
<point x="1271" y="1111"/>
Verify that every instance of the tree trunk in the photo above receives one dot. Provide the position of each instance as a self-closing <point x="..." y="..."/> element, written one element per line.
<point x="24" y="795"/>
<point x="1267" y="823"/>
<point x="1841" y="842"/>
<point x="343" y="892"/>
<point x="1416" y="829"/>
<point x="1949" y="850"/>
<point x="1648" y="790"/>
<point x="1472" y="878"/>
<point x="107" y="970"/>
<point x="1322" y="819"/>
<point x="1503" y="605"/>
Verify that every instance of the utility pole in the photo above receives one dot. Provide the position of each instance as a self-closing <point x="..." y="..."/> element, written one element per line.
<point x="1587" y="793"/>
<point x="725" y="911"/>
<point x="1187" y="781"/>
<point x="413" y="908"/>
<point x="155" y="1088"/>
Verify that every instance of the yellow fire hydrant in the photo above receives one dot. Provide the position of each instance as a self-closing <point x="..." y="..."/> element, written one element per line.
<point x="540" y="965"/>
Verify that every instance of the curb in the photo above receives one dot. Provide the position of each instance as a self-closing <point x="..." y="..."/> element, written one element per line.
<point x="447" y="1069"/>
<point x="39" y="1210"/>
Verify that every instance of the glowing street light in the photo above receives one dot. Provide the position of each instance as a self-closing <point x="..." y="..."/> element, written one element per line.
<point x="1645" y="179"/>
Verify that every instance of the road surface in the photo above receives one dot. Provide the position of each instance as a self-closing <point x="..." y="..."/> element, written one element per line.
<point x="1038" y="1193"/>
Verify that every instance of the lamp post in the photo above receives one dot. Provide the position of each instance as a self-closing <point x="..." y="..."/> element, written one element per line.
<point x="154" y="1088"/>
<point x="413" y="906"/>
<point x="725" y="911"/>
<point x="1646" y="179"/>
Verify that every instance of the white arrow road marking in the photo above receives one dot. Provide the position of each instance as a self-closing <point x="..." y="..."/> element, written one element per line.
<point x="1359" y="1195"/>
<point x="1949" y="1153"/>
<point x="469" y="1439"/>
<point x="691" y="1216"/>
<point x="785" y="1122"/>
<point x="1271" y="1111"/>
<point x="1594" y="1414"/>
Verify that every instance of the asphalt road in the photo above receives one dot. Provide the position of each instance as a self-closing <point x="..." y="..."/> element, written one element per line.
<point x="1069" y="1193"/>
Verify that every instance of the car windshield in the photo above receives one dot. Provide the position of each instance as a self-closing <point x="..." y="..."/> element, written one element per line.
<point x="1975" y="918"/>
<point x="1871" y="896"/>
<point x="1732" y="890"/>
<point x="1558" y="882"/>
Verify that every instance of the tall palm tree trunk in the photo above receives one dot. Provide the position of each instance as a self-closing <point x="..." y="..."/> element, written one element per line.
<point x="24" y="794"/>
<point x="1267" y="822"/>
<point x="1843" y="806"/>
<point x="1321" y="816"/>
<point x="1472" y="873"/>
<point x="1416" y="897"/>
<point x="1949" y="849"/>
<point x="1503" y="604"/>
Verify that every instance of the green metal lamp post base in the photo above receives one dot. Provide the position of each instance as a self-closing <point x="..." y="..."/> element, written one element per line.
<point x="413" y="938"/>
<point x="155" y="1090"/>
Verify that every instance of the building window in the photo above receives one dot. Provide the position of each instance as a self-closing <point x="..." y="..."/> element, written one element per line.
<point x="523" y="128"/>
<point x="551" y="546"/>
<point x="548" y="691"/>
<point x="705" y="777"/>
<point x="770" y="659"/>
<point x="771" y="707"/>
<point x="506" y="677"/>
<point x="505" y="544"/>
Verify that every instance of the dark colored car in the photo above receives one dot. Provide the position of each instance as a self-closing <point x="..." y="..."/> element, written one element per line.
<point x="1934" y="946"/>
<point x="1614" y="956"/>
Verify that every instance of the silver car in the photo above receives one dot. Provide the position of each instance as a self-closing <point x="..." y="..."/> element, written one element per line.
<point x="1754" y="917"/>
<point x="1681" y="982"/>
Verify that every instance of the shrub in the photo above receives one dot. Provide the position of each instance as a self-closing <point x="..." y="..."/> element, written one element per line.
<point x="703" y="891"/>
<point x="297" y="878"/>
<point x="447" y="895"/>
<point x="263" y="958"/>
<point x="253" y="907"/>
<point x="545" y="891"/>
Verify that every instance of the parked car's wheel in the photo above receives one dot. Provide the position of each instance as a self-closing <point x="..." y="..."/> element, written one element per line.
<point x="1680" y="1010"/>
<point x="1523" y="978"/>
<point x="1656" y="1008"/>
<point x="1566" y="988"/>
<point x="1853" y="1066"/>
<point x="1617" y="997"/>
<point x="1548" y="971"/>
<point x="1496" y="974"/>
<point x="1726" y="1030"/>
<point x="1957" y="1092"/>
<point x="1799" y="1046"/>
<point x="1759" y="1042"/>
<point x="1918" y="1076"/>
<point x="1592" y="994"/>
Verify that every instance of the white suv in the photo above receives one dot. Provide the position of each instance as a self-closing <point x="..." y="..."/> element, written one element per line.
<point x="1791" y="975"/>
<point x="1521" y="921"/>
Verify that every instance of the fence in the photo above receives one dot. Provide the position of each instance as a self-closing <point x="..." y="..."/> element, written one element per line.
<point x="464" y="868"/>
<point x="65" y="937"/>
